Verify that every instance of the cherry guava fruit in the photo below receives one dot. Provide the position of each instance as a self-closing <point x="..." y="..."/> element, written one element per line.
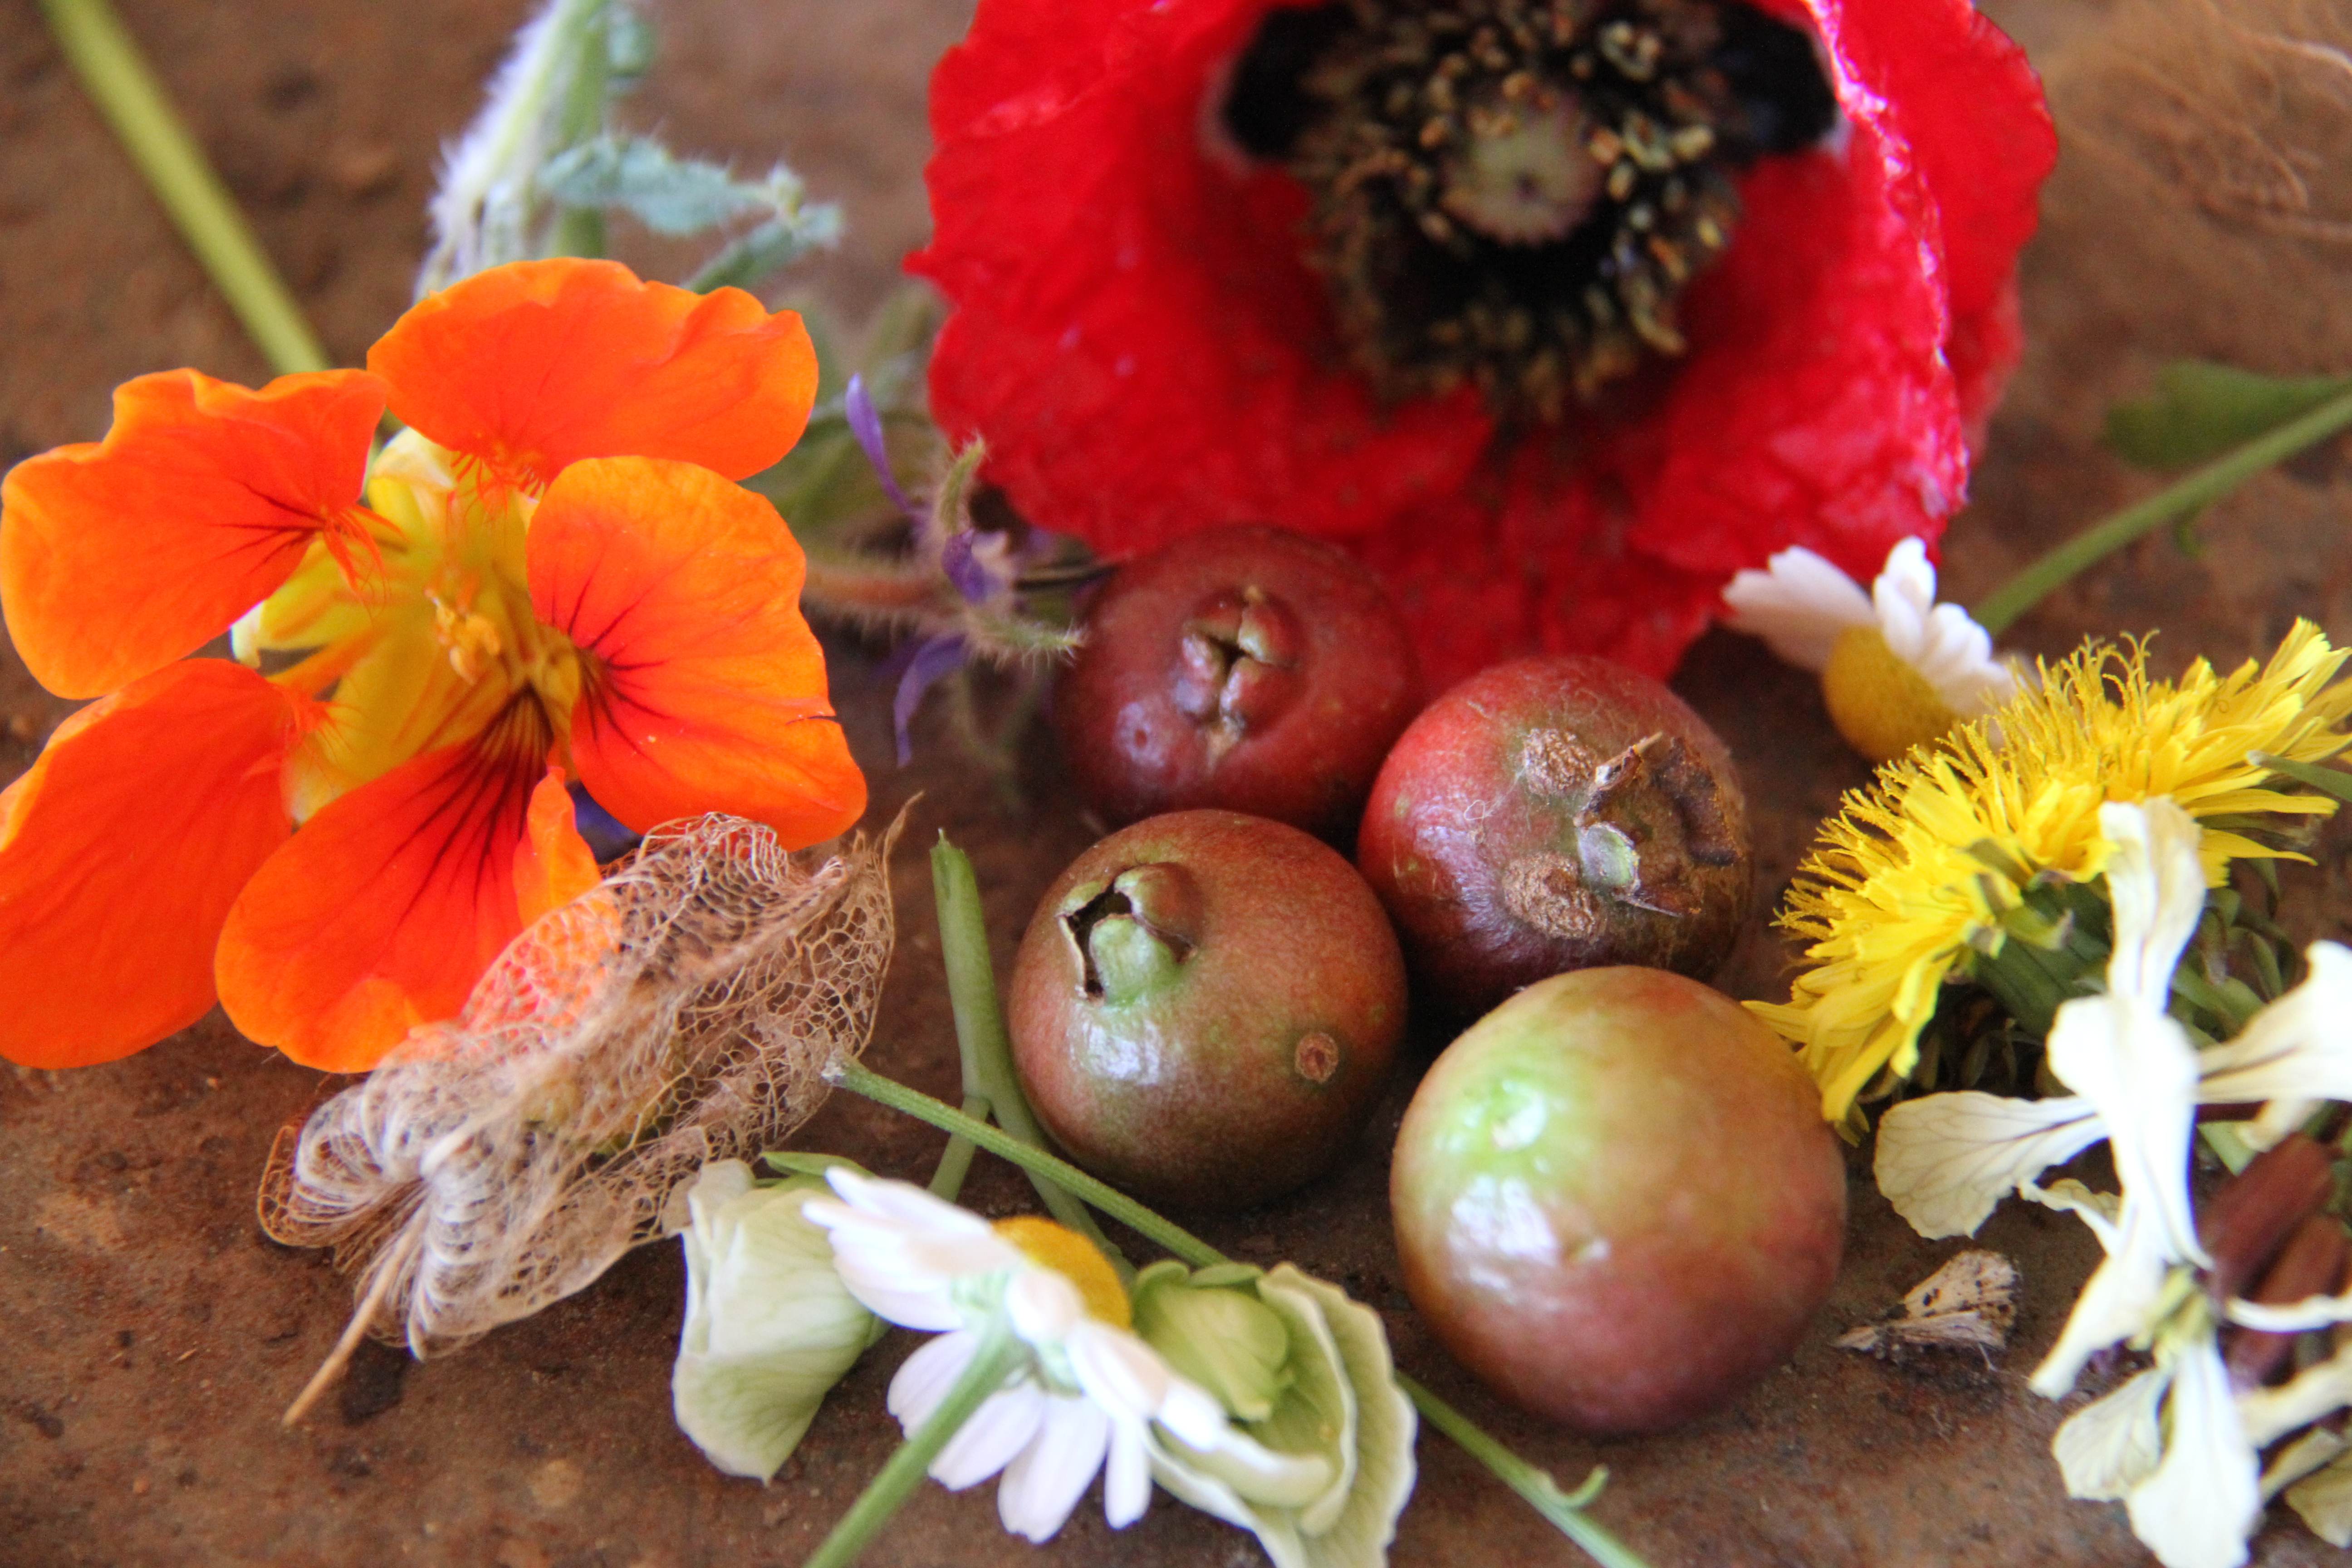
<point x="1205" y="1008"/>
<point x="1616" y="1200"/>
<point x="1553" y="813"/>
<point x="1247" y="668"/>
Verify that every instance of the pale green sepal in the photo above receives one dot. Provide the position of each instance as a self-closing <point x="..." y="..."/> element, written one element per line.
<point x="1343" y="1404"/>
<point x="770" y="1328"/>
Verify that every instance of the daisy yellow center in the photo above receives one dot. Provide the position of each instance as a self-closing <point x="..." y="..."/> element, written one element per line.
<point x="1075" y="1258"/>
<point x="1879" y="703"/>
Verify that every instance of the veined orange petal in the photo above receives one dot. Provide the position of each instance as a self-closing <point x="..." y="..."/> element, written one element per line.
<point x="705" y="690"/>
<point x="554" y="865"/>
<point x="382" y="911"/>
<point x="119" y="556"/>
<point x="120" y="851"/>
<point x="537" y="364"/>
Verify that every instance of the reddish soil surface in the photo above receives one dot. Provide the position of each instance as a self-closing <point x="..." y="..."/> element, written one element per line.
<point x="149" y="1334"/>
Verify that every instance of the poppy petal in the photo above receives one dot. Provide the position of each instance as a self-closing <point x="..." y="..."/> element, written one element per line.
<point x="382" y="911"/>
<point x="532" y="366"/>
<point x="705" y="690"/>
<point x="119" y="556"/>
<point x="122" y="850"/>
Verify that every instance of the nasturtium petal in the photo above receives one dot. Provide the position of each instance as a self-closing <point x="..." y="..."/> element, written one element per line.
<point x="381" y="912"/>
<point x="122" y="850"/>
<point x="704" y="687"/>
<point x="534" y="366"/>
<point x="119" y="556"/>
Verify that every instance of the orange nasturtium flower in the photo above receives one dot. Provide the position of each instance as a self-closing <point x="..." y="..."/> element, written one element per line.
<point x="553" y="576"/>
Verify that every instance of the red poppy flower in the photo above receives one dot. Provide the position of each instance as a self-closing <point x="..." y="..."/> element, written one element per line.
<point x="553" y="576"/>
<point x="1150" y="329"/>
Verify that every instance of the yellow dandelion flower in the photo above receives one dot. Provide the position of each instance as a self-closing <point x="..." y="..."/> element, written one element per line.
<point x="1929" y="868"/>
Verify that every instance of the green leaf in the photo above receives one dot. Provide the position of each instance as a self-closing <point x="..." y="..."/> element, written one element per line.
<point x="677" y="195"/>
<point x="2333" y="781"/>
<point x="2201" y="410"/>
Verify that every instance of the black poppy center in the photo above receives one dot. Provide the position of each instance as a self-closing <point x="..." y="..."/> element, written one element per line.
<point x="1515" y="192"/>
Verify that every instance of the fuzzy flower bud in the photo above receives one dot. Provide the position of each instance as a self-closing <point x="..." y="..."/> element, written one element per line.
<point x="770" y="1327"/>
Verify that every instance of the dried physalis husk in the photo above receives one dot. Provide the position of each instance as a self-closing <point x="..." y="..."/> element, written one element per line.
<point x="1967" y="1304"/>
<point x="684" y="1010"/>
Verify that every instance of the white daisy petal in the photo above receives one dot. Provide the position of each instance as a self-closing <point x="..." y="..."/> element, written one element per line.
<point x="924" y="1378"/>
<point x="1043" y="1485"/>
<point x="1800" y="605"/>
<point x="2198" y="1507"/>
<point x="999" y="1430"/>
<point x="1119" y="1372"/>
<point x="1044" y="1306"/>
<point x="1126" y="1483"/>
<point x="1945" y="1161"/>
<point x="2111" y="1445"/>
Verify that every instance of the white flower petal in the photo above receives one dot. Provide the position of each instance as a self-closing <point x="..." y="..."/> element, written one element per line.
<point x="1126" y="1483"/>
<point x="2157" y="886"/>
<point x="2270" y="1414"/>
<point x="1120" y="1372"/>
<point x="1945" y="1161"/>
<point x="2291" y="1317"/>
<point x="1800" y="607"/>
<point x="999" y="1430"/>
<point x="2111" y="1445"/>
<point x="2114" y="1302"/>
<point x="1044" y="1306"/>
<point x="924" y="1378"/>
<point x="1042" y="1486"/>
<point x="2200" y="1504"/>
<point x="2313" y="1450"/>
<point x="2297" y="1051"/>
<point x="2136" y="1065"/>
<point x="903" y="1204"/>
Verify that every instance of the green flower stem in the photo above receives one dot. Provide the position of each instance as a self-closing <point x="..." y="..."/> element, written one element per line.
<point x="102" y="54"/>
<point x="981" y="1040"/>
<point x="998" y="1355"/>
<point x="955" y="1159"/>
<point x="2183" y="498"/>
<point x="579" y="231"/>
<point x="1562" y="1508"/>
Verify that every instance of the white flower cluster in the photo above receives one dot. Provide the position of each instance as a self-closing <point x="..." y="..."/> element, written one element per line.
<point x="1307" y="1441"/>
<point x="2176" y="1443"/>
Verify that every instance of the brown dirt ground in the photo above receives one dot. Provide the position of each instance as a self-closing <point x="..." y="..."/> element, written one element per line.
<point x="149" y="1334"/>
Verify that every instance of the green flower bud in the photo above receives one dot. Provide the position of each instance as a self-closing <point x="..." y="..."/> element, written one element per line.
<point x="770" y="1327"/>
<point x="1227" y="1340"/>
<point x="1332" y="1397"/>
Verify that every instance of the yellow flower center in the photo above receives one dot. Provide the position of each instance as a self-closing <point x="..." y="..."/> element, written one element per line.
<point x="1880" y="703"/>
<point x="1075" y="1258"/>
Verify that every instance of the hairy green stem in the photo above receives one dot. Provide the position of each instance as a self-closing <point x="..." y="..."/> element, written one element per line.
<point x="1562" y="1508"/>
<point x="102" y="54"/>
<point x="579" y="231"/>
<point x="981" y="1040"/>
<point x="997" y="1353"/>
<point x="2183" y="498"/>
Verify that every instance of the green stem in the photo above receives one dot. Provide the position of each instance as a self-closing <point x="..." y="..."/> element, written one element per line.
<point x="2183" y="498"/>
<point x="981" y="1040"/>
<point x="997" y="1353"/>
<point x="955" y="1159"/>
<point x="102" y="54"/>
<point x="579" y="231"/>
<point x="1562" y="1508"/>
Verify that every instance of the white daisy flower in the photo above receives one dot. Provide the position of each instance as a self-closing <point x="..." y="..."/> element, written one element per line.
<point x="1897" y="669"/>
<point x="1087" y="1394"/>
